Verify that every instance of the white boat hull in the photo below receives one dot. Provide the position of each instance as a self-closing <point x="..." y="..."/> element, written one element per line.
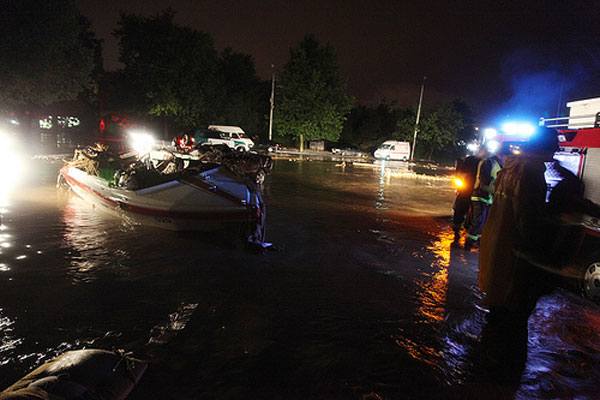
<point x="206" y="201"/>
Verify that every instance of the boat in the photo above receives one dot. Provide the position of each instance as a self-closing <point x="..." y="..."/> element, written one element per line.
<point x="204" y="196"/>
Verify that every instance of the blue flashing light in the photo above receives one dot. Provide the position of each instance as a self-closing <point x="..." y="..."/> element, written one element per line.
<point x="524" y="130"/>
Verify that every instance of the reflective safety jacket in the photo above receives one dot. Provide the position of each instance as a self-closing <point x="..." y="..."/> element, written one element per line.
<point x="487" y="172"/>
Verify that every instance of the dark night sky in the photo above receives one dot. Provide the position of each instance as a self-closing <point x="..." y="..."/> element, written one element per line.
<point x="503" y="57"/>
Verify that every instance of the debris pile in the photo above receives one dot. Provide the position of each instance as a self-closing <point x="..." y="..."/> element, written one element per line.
<point x="131" y="172"/>
<point x="92" y="158"/>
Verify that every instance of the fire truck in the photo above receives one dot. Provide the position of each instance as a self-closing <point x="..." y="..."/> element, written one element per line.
<point x="579" y="140"/>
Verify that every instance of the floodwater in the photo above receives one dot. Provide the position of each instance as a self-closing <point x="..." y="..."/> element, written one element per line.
<point x="366" y="299"/>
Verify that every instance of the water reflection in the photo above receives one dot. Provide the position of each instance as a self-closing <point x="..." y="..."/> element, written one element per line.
<point x="7" y="340"/>
<point x="431" y="292"/>
<point x="162" y="334"/>
<point x="87" y="235"/>
<point x="430" y="301"/>
<point x="380" y="203"/>
<point x="563" y="347"/>
<point x="5" y="237"/>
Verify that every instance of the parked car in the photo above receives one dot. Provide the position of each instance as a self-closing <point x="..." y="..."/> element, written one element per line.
<point x="270" y="147"/>
<point x="349" y="151"/>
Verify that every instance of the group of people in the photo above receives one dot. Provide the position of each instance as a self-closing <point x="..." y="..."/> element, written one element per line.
<point x="516" y="230"/>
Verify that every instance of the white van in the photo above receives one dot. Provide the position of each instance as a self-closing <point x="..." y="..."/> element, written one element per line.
<point x="232" y="136"/>
<point x="393" y="150"/>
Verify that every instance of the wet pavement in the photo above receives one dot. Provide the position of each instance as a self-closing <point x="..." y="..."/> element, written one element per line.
<point x="366" y="300"/>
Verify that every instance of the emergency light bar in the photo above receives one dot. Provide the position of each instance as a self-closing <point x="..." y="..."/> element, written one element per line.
<point x="490" y="133"/>
<point x="518" y="129"/>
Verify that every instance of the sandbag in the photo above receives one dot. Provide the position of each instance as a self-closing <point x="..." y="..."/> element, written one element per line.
<point x="80" y="374"/>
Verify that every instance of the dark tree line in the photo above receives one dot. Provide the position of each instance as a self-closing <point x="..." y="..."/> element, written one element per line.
<point x="180" y="77"/>
<point x="47" y="53"/>
<point x="173" y="78"/>
<point x="444" y="130"/>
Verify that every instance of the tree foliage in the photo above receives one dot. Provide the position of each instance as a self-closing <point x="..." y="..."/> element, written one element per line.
<point x="46" y="53"/>
<point x="175" y="72"/>
<point x="245" y="102"/>
<point x="172" y="70"/>
<point x="311" y="97"/>
<point x="442" y="128"/>
<point x="366" y="126"/>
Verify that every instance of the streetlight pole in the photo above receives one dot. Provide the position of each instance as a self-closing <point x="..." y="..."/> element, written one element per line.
<point x="272" y="103"/>
<point x="412" y="154"/>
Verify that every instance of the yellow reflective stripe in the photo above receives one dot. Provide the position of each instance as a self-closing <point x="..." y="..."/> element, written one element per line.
<point x="495" y="169"/>
<point x="477" y="181"/>
<point x="481" y="199"/>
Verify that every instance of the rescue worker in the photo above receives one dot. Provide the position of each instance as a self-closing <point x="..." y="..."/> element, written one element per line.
<point x="515" y="238"/>
<point x="466" y="171"/>
<point x="481" y="199"/>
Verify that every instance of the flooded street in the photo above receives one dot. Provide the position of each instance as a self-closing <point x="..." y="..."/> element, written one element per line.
<point x="366" y="299"/>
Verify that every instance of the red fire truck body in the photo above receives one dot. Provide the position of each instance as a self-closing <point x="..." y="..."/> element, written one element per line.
<point x="579" y="140"/>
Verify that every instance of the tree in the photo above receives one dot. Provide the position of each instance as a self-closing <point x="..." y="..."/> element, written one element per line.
<point x="173" y="70"/>
<point x="246" y="97"/>
<point x="405" y="127"/>
<point x="443" y="127"/>
<point x="46" y="53"/>
<point x="366" y="126"/>
<point x="312" y="99"/>
<point x="468" y="133"/>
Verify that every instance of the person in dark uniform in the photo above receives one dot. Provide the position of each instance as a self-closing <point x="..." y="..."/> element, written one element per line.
<point x="466" y="171"/>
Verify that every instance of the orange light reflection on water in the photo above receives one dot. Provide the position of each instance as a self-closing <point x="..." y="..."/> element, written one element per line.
<point x="431" y="294"/>
<point x="430" y="297"/>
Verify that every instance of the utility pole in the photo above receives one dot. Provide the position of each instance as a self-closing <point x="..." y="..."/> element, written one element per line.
<point x="272" y="102"/>
<point x="412" y="154"/>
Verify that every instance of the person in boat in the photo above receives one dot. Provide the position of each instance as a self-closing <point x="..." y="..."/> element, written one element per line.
<point x="185" y="143"/>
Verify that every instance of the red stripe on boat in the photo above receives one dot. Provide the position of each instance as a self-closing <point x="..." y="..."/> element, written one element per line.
<point x="247" y="213"/>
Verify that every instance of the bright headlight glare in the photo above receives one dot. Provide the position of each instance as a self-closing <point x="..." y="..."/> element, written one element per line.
<point x="490" y="133"/>
<point x="473" y="147"/>
<point x="141" y="142"/>
<point x="6" y="143"/>
<point x="492" y="145"/>
<point x="11" y="163"/>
